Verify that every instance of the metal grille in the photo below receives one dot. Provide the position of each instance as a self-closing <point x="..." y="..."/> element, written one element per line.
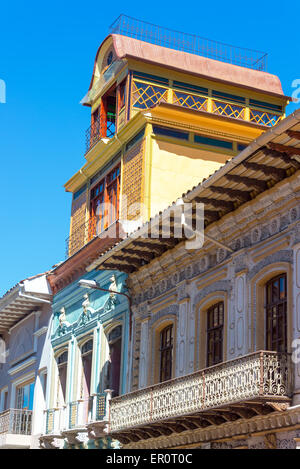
<point x="16" y="421"/>
<point x="260" y="375"/>
<point x="73" y="415"/>
<point x="101" y="406"/>
<point x="186" y="42"/>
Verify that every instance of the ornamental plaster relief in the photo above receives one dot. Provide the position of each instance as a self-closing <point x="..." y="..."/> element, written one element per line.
<point x="284" y="255"/>
<point x="143" y="365"/>
<point x="296" y="315"/>
<point x="151" y="289"/>
<point x="267" y="424"/>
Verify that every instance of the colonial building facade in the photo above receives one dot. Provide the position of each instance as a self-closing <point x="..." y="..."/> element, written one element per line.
<point x="216" y="329"/>
<point x="89" y="362"/>
<point x="133" y="312"/>
<point x="25" y="323"/>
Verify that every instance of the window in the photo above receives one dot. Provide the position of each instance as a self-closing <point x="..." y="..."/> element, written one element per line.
<point x="24" y="396"/>
<point x="86" y="358"/>
<point x="276" y="314"/>
<point x="62" y="363"/>
<point x="213" y="142"/>
<point x="121" y="103"/>
<point x="5" y="401"/>
<point x="166" y="353"/>
<point x="114" y="361"/>
<point x="104" y="204"/>
<point x="166" y="131"/>
<point x="215" y="324"/>
<point x="110" y="58"/>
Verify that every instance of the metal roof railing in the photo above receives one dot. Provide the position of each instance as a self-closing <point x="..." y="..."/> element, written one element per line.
<point x="186" y="42"/>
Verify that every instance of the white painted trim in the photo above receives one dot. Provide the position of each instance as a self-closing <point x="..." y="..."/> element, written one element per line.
<point x="22" y="366"/>
<point x="41" y="331"/>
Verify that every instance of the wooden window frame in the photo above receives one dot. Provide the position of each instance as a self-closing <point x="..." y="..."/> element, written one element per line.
<point x="110" y="194"/>
<point x="279" y="307"/>
<point x="166" y="353"/>
<point x="216" y="333"/>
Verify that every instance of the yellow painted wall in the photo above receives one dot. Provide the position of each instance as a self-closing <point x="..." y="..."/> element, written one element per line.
<point x="175" y="169"/>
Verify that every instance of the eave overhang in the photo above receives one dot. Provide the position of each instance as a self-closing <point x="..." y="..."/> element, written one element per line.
<point x="20" y="301"/>
<point x="268" y="160"/>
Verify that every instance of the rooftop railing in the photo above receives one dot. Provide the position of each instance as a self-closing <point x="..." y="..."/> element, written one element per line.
<point x="186" y="42"/>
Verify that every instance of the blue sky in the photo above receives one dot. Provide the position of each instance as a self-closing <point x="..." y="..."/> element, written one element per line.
<point x="47" y="52"/>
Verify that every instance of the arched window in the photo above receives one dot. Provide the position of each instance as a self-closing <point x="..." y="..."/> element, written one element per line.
<point x="109" y="58"/>
<point x="276" y="314"/>
<point x="215" y="326"/>
<point x="86" y="359"/>
<point x="115" y="354"/>
<point x="166" y="353"/>
<point x="62" y="364"/>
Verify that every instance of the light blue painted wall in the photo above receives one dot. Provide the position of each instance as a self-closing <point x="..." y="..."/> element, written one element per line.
<point x="71" y="298"/>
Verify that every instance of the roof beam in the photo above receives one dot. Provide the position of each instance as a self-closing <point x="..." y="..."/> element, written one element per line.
<point x="293" y="134"/>
<point x="249" y="182"/>
<point x="137" y="252"/>
<point x="282" y="156"/>
<point x="276" y="173"/>
<point x="225" y="204"/>
<point x="242" y="196"/>
<point x="152" y="246"/>
<point x="123" y="268"/>
<point x="284" y="148"/>
<point x="211" y="215"/>
<point x="129" y="260"/>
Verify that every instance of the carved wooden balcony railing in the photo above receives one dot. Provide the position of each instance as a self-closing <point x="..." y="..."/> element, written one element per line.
<point x="238" y="388"/>
<point x="16" y="421"/>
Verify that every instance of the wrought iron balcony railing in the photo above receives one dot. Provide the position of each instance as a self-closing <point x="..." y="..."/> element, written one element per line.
<point x="16" y="421"/>
<point x="99" y="130"/>
<point x="260" y="376"/>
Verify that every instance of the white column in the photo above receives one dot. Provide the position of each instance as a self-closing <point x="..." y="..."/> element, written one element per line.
<point x="182" y="339"/>
<point x="241" y="323"/>
<point x="144" y="354"/>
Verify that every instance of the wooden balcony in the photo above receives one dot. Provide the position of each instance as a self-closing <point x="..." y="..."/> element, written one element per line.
<point x="255" y="384"/>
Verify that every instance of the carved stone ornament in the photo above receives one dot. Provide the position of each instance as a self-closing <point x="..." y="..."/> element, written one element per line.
<point x="274" y="225"/>
<point x="63" y="323"/>
<point x="87" y="310"/>
<point x="255" y="235"/>
<point x="51" y="442"/>
<point x="97" y="430"/>
<point x="74" y="437"/>
<point x="112" y="299"/>
<point x="293" y="214"/>
<point x="182" y="292"/>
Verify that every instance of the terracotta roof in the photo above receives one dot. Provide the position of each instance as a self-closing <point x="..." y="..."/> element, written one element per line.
<point x="208" y="68"/>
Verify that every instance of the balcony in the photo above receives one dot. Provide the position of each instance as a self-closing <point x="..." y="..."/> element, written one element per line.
<point x="245" y="387"/>
<point x="98" y="130"/>
<point x="72" y="420"/>
<point x="146" y="95"/>
<point x="15" y="428"/>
